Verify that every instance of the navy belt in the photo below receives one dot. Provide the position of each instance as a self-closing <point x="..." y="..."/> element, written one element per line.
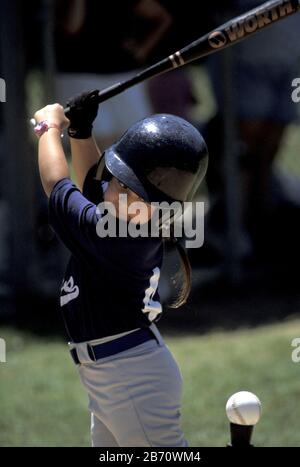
<point x="115" y="346"/>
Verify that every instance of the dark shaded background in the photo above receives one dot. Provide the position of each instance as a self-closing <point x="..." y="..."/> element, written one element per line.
<point x="229" y="289"/>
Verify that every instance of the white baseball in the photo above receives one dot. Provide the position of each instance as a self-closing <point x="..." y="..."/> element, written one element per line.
<point x="243" y="408"/>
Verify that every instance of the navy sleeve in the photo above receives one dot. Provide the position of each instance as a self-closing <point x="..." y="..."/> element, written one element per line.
<point x="92" y="188"/>
<point x="74" y="218"/>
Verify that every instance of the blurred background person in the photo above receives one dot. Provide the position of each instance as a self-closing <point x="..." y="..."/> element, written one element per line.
<point x="262" y="70"/>
<point x="174" y="92"/>
<point x="100" y="43"/>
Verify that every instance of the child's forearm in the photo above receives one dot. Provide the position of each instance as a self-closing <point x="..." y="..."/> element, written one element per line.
<point x="85" y="154"/>
<point x="52" y="160"/>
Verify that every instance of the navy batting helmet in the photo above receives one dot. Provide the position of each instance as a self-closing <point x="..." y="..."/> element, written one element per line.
<point x="160" y="158"/>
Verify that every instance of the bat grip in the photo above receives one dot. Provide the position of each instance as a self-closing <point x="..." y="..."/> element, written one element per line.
<point x="107" y="93"/>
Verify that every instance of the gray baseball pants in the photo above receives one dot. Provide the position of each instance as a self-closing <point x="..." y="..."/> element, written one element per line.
<point x="134" y="396"/>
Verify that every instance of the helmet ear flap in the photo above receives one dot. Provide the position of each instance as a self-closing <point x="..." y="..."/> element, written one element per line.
<point x="102" y="174"/>
<point x="107" y="176"/>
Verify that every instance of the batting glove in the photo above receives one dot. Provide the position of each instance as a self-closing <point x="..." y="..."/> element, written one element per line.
<point x="83" y="110"/>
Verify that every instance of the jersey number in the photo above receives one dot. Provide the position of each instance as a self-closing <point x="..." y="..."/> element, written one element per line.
<point x="151" y="306"/>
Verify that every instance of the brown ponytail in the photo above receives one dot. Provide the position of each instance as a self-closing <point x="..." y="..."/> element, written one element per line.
<point x="184" y="270"/>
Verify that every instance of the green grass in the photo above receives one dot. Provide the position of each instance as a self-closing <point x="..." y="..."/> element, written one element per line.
<point x="42" y="402"/>
<point x="288" y="156"/>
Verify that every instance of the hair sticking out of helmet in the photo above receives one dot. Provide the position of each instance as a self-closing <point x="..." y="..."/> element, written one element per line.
<point x="186" y="281"/>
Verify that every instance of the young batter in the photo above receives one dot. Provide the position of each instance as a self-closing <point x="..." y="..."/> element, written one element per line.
<point x="109" y="298"/>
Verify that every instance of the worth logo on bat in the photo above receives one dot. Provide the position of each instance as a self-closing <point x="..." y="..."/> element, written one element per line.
<point x="252" y="23"/>
<point x="217" y="39"/>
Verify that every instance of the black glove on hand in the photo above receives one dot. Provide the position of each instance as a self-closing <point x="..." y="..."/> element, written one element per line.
<point x="82" y="113"/>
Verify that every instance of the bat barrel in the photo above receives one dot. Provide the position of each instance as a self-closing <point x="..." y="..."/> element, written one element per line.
<point x="240" y="28"/>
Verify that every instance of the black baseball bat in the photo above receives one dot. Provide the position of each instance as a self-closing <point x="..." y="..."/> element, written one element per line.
<point x="228" y="34"/>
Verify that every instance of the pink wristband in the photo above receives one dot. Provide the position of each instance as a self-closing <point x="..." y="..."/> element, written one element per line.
<point x="44" y="126"/>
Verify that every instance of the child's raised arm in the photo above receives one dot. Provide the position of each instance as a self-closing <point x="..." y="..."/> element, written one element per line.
<point x="84" y="149"/>
<point x="52" y="160"/>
